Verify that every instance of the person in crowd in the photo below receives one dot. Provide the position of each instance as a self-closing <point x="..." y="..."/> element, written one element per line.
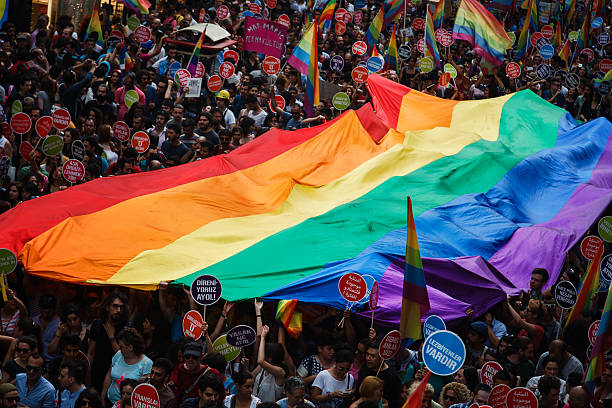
<point x="9" y="396"/>
<point x="160" y="379"/>
<point x="539" y="277"/>
<point x="88" y="398"/>
<point x="71" y="325"/>
<point x="549" y="388"/>
<point x="568" y="363"/>
<point x="295" y="391"/>
<point x="467" y="375"/>
<point x="72" y="382"/>
<point x="480" y="396"/>
<point x="335" y="386"/>
<point x="269" y="374"/>
<point x="453" y="393"/>
<point x="377" y="367"/>
<point x="185" y="379"/>
<point x="13" y="308"/>
<point x="34" y="390"/>
<point x="209" y="388"/>
<point x="243" y="397"/>
<point x="25" y="347"/>
<point x="371" y="389"/>
<point x="314" y="364"/>
<point x="428" y="395"/>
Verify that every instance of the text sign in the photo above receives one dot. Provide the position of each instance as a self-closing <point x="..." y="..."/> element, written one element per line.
<point x="352" y="287"/>
<point x="206" y="290"/>
<point x="590" y="246"/>
<point x="52" y="145"/>
<point x="73" y="171"/>
<point x="521" y="398"/>
<point x="140" y="141"/>
<point x="241" y="336"/>
<point x="61" y="119"/>
<point x="43" y="126"/>
<point x="228" y="351"/>
<point x="565" y="295"/>
<point x="145" y="396"/>
<point x="433" y="324"/>
<point x="513" y="70"/>
<point x="389" y="345"/>
<point x="443" y="353"/>
<point x="21" y="123"/>
<point x="121" y="131"/>
<point x="193" y="324"/>
<point x="604" y="227"/>
<point x="8" y="261"/>
<point x="373" y="302"/>
<point x="497" y="397"/>
<point x="606" y="267"/>
<point x="488" y="371"/>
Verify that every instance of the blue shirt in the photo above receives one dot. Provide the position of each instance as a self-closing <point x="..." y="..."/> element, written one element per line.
<point x="41" y="396"/>
<point x="121" y="370"/>
<point x="68" y="399"/>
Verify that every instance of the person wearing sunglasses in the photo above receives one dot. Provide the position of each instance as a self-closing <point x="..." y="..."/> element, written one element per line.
<point x="454" y="393"/>
<point x="34" y="390"/>
<point x="9" y="397"/>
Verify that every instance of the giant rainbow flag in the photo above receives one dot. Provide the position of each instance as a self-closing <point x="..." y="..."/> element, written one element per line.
<point x="498" y="186"/>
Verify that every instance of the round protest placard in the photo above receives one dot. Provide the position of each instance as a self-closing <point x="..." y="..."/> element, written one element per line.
<point x="271" y="4"/>
<point x="597" y="22"/>
<point x="140" y="141"/>
<point x="16" y="107"/>
<point x="78" y="150"/>
<point x="206" y="290"/>
<point x="61" y="119"/>
<point x="280" y="102"/>
<point x="231" y="54"/>
<point x="130" y="98"/>
<point x="535" y="37"/>
<point x="145" y="396"/>
<point x="348" y="18"/>
<point x="439" y="33"/>
<point x="433" y="324"/>
<point x="175" y="66"/>
<point x="182" y="76"/>
<point x="446" y="39"/>
<point x="603" y="38"/>
<point x="572" y="80"/>
<point x="512" y="36"/>
<point x="426" y="64"/>
<point x="589" y="53"/>
<point x="488" y="370"/>
<point x="421" y="45"/>
<point x="358" y="17"/>
<point x="443" y="353"/>
<point x="374" y="64"/>
<point x="565" y="294"/>
<point x="604" y="88"/>
<point x="513" y="70"/>
<point x="359" y="48"/>
<point x="606" y="267"/>
<point x="543" y="71"/>
<point x="418" y="24"/>
<point x="339" y="15"/>
<point x="451" y="70"/>
<point x="52" y="145"/>
<point x="389" y="345"/>
<point x="593" y="328"/>
<point x="340" y="27"/>
<point x="26" y="149"/>
<point x="254" y="8"/>
<point x="6" y="129"/>
<point x="352" y="287"/>
<point x="121" y="131"/>
<point x="521" y="398"/>
<point x="21" y="123"/>
<point x="133" y="23"/>
<point x="73" y="171"/>
<point x="497" y="397"/>
<point x="193" y="324"/>
<point x="360" y="74"/>
<point x="8" y="261"/>
<point x="444" y="79"/>
<point x="573" y="35"/>
<point x="336" y="63"/>
<point x="271" y="65"/>
<point x="341" y="101"/>
<point x="142" y="34"/>
<point x="547" y="51"/>
<point x="222" y="12"/>
<point x="226" y="70"/>
<point x="199" y="73"/>
<point x="373" y="301"/>
<point x="284" y="20"/>
<point x="241" y="336"/>
<point x="590" y="246"/>
<point x="228" y="351"/>
<point x="43" y="126"/>
<point x="215" y="83"/>
<point x="547" y="31"/>
<point x="202" y="15"/>
<point x="404" y="52"/>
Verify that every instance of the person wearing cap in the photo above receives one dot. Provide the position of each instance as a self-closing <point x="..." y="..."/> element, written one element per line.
<point x="476" y="336"/>
<point x="186" y="378"/>
<point x="9" y="397"/>
<point x="34" y="390"/>
<point x="223" y="101"/>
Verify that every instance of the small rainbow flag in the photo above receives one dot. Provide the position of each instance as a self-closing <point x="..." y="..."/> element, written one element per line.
<point x="95" y="27"/>
<point x="375" y="27"/>
<point x="522" y="44"/>
<point x="393" y="10"/>
<point x="564" y="53"/>
<point x="125" y="61"/>
<point x="300" y="59"/>
<point x="327" y="16"/>
<point x="430" y="38"/>
<point x="391" y="57"/>
<point x="557" y="37"/>
<point x="415" y="400"/>
<point x="415" y="300"/>
<point x="305" y="60"/>
<point x="477" y="26"/>
<point x="195" y="55"/>
<point x="600" y="346"/>
<point x="375" y="52"/>
<point x="606" y="77"/>
<point x="571" y="8"/>
<point x="533" y="16"/>
<point x="4" y="8"/>
<point x="292" y="320"/>
<point x="141" y="6"/>
<point x="590" y="285"/>
<point x="583" y="35"/>
<point x="438" y="15"/>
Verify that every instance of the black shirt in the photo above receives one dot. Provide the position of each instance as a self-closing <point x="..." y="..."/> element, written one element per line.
<point x="392" y="387"/>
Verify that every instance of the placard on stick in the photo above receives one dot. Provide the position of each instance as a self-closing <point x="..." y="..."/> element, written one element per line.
<point x="206" y="290"/>
<point x="145" y="396"/>
<point x="193" y="324"/>
<point x="241" y="336"/>
<point x="389" y="345"/>
<point x="443" y="353"/>
<point x="521" y="398"/>
<point x="488" y="371"/>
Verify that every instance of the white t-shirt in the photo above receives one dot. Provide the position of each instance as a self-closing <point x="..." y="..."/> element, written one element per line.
<point x="328" y="384"/>
<point x="228" y="401"/>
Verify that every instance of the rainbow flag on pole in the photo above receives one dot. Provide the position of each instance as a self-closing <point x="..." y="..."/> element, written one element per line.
<point x="195" y="55"/>
<point x="430" y="38"/>
<point x="571" y="8"/>
<point x="583" y="35"/>
<point x="415" y="300"/>
<point x="564" y="53"/>
<point x="142" y="6"/>
<point x="522" y="44"/>
<point x="477" y="26"/>
<point x="533" y="16"/>
<point x="590" y="285"/>
<point x="327" y="16"/>
<point x="4" y="8"/>
<point x="603" y="340"/>
<point x="557" y="37"/>
<point x="125" y="61"/>
<point x="373" y="32"/>
<point x="300" y="59"/>
<point x="393" y="9"/>
<point x="305" y="59"/>
<point x="438" y="15"/>
<point x="292" y="320"/>
<point x="95" y="27"/>
<point x="391" y="57"/>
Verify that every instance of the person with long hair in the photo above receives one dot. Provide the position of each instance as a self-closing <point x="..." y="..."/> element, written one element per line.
<point x="269" y="373"/>
<point x="335" y="386"/>
<point x="371" y="389"/>
<point x="244" y="398"/>
<point x="89" y="398"/>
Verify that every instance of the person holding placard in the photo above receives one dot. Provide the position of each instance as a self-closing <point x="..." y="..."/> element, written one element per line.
<point x="549" y="388"/>
<point x="375" y="366"/>
<point x="269" y="373"/>
<point x="335" y="386"/>
<point x="480" y="396"/>
<point x="529" y="326"/>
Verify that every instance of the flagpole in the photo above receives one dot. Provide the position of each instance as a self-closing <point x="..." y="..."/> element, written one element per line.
<point x="405" y="12"/>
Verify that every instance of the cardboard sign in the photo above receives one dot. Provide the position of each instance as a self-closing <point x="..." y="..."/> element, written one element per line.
<point x="43" y="126"/>
<point x="206" y="290"/>
<point x="199" y="73"/>
<point x="183" y="77"/>
<point x="352" y="287"/>
<point x="78" y="150"/>
<point x="565" y="294"/>
<point x="336" y="63"/>
<point x="544" y="71"/>
<point x="572" y="80"/>
<point x="451" y="70"/>
<point x="433" y="324"/>
<point x="241" y="336"/>
<point x="142" y="34"/>
<point x="21" y="123"/>
<point x="513" y="70"/>
<point x="226" y="70"/>
<point x="521" y="398"/>
<point x="8" y="261"/>
<point x="426" y="64"/>
<point x="130" y="98"/>
<point x="548" y="31"/>
<point x="271" y="65"/>
<point x="52" y="145"/>
<point x="359" y="48"/>
<point x="222" y="12"/>
<point x="195" y="88"/>
<point x="284" y="20"/>
<point x="590" y="246"/>
<point x="193" y="324"/>
<point x="73" y="171"/>
<point x="231" y="54"/>
<point x="228" y="351"/>
<point x="488" y="370"/>
<point x="360" y="74"/>
<point x="140" y="141"/>
<point x="340" y="27"/>
<point x="389" y="345"/>
<point x="418" y="24"/>
<point x="280" y="102"/>
<point x="145" y="396"/>
<point x="61" y="119"/>
<point x="215" y="83"/>
<point x="497" y="397"/>
<point x="443" y="353"/>
<point x="373" y="301"/>
<point x="121" y="131"/>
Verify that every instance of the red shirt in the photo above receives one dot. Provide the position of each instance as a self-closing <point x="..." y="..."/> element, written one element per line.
<point x="184" y="380"/>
